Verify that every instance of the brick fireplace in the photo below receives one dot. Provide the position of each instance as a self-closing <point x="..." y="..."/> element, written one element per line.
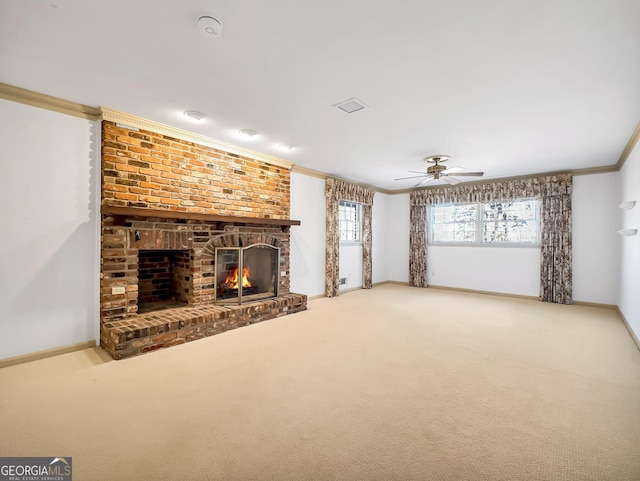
<point x="171" y="211"/>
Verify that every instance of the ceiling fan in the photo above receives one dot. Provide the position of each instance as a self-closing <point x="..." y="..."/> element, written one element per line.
<point x="438" y="171"/>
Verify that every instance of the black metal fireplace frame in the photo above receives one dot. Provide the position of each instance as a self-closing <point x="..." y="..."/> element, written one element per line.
<point x="241" y="250"/>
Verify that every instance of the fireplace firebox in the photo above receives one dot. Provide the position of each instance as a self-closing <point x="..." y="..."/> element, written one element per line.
<point x="163" y="279"/>
<point x="245" y="274"/>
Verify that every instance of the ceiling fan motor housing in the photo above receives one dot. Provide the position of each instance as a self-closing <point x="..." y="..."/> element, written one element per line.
<point x="436" y="169"/>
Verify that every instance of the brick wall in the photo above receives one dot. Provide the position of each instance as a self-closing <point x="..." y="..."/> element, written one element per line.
<point x="154" y="171"/>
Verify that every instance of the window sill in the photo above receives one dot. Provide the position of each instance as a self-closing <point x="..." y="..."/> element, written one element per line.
<point x="484" y="244"/>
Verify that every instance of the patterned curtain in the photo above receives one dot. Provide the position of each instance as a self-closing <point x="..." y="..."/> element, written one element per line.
<point x="554" y="192"/>
<point x="418" y="246"/>
<point x="555" y="268"/>
<point x="337" y="190"/>
<point x="332" y="245"/>
<point x="367" y="279"/>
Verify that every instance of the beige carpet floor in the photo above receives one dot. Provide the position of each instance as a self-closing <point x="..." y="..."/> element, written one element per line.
<point x="393" y="383"/>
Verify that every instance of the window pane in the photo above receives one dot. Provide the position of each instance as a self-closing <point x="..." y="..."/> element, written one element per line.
<point x="511" y="221"/>
<point x="454" y="223"/>
<point x="349" y="221"/>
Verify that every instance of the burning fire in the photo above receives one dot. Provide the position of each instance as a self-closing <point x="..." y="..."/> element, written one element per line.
<point x="232" y="280"/>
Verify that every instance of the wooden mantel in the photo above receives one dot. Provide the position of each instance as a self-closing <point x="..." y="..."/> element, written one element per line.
<point x="167" y="214"/>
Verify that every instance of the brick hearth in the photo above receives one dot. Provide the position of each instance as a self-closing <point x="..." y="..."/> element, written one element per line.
<point x="171" y="327"/>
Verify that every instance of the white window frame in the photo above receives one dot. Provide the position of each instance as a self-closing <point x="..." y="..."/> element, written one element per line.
<point x="480" y="221"/>
<point x="351" y="225"/>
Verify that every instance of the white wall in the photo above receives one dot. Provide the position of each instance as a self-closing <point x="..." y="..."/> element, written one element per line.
<point x="396" y="231"/>
<point x="380" y="212"/>
<point x="507" y="270"/>
<point x="629" y="298"/>
<point x="351" y="265"/>
<point x="596" y="246"/>
<point x="390" y="248"/>
<point x="49" y="241"/>
<point x="308" y="239"/>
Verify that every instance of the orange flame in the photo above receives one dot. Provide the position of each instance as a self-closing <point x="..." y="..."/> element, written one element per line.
<point x="232" y="280"/>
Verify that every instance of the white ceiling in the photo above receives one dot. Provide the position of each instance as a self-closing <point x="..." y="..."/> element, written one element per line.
<point x="510" y="87"/>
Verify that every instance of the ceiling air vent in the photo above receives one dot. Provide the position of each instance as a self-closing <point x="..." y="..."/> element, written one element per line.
<point x="351" y="105"/>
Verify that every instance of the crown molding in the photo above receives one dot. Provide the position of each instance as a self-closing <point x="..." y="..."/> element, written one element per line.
<point x="321" y="175"/>
<point x="163" y="129"/>
<point x="392" y="192"/>
<point x="399" y="191"/>
<point x="633" y="140"/>
<point x="310" y="172"/>
<point x="594" y="170"/>
<point x="368" y="186"/>
<point x="35" y="99"/>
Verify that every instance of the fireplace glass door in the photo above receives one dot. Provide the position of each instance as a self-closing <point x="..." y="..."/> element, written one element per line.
<point x="245" y="274"/>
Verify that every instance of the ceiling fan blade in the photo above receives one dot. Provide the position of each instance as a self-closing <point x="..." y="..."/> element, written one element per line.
<point x="418" y="172"/>
<point x="449" y="180"/>
<point x="451" y="170"/>
<point x="426" y="179"/>
<point x="412" y="177"/>
<point x="469" y="174"/>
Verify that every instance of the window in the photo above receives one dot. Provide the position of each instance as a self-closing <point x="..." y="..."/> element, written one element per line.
<point x="506" y="222"/>
<point x="350" y="222"/>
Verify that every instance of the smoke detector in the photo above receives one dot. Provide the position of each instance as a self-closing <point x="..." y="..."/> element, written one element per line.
<point x="211" y="27"/>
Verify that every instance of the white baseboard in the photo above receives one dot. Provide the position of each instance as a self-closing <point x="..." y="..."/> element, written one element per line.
<point x="376" y="284"/>
<point x="11" y="361"/>
<point x="628" y="326"/>
<point x="490" y="293"/>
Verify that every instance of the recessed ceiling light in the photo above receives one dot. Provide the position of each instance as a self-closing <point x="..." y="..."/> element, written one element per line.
<point x="248" y="132"/>
<point x="351" y="105"/>
<point x="194" y="115"/>
<point x="285" y="147"/>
